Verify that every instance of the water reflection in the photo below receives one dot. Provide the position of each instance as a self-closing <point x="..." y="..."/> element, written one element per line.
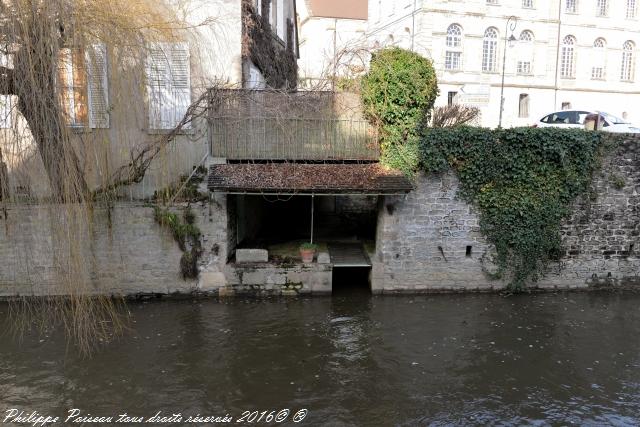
<point x="352" y="360"/>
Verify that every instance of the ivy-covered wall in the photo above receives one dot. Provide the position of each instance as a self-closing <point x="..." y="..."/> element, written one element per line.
<point x="277" y="61"/>
<point x="430" y="240"/>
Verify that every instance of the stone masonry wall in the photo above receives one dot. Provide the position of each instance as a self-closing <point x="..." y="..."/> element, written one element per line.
<point x="124" y="252"/>
<point x="422" y="238"/>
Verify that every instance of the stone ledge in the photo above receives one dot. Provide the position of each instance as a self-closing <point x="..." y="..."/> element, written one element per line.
<point x="252" y="255"/>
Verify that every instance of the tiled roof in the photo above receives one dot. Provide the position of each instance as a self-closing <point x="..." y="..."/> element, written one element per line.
<point x="292" y="178"/>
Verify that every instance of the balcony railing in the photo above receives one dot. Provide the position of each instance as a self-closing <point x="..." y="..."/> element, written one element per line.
<point x="258" y="125"/>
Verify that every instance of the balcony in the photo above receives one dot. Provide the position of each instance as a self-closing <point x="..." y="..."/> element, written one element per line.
<point x="313" y="126"/>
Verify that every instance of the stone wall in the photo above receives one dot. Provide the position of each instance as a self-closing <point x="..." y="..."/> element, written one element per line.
<point x="123" y="251"/>
<point x="272" y="279"/>
<point x="429" y="240"/>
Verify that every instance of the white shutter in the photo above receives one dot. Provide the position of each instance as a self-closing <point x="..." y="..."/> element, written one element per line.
<point x="157" y="85"/>
<point x="5" y="112"/>
<point x="98" y="93"/>
<point x="280" y="25"/>
<point x="180" y="81"/>
<point x="168" y="83"/>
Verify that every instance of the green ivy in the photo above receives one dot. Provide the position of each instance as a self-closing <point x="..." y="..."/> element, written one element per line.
<point x="523" y="181"/>
<point x="186" y="234"/>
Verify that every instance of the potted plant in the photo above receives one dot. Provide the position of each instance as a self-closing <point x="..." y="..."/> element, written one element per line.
<point x="307" y="252"/>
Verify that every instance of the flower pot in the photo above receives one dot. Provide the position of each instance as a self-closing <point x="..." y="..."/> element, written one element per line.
<point x="307" y="255"/>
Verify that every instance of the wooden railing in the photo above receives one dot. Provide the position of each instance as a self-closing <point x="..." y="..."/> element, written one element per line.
<point x="272" y="127"/>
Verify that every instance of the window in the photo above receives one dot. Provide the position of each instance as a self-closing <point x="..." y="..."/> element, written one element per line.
<point x="631" y="9"/>
<point x="168" y="84"/>
<point x="82" y="81"/>
<point x="602" y="8"/>
<point x="492" y="1"/>
<point x="490" y="50"/>
<point x="599" y="58"/>
<point x="566" y="105"/>
<point x="567" y="57"/>
<point x="571" y="6"/>
<point x="525" y="53"/>
<point x="528" y="4"/>
<point x="626" y="73"/>
<point x="453" y="54"/>
<point x="523" y="105"/>
<point x="451" y="98"/>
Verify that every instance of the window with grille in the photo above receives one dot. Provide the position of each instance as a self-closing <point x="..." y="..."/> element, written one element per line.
<point x="631" y="9"/>
<point x="453" y="54"/>
<point x="523" y="105"/>
<point x="599" y="58"/>
<point x="571" y="6"/>
<point x="601" y="7"/>
<point x="451" y="98"/>
<point x="567" y="57"/>
<point x="626" y="73"/>
<point x="490" y="50"/>
<point x="528" y="4"/>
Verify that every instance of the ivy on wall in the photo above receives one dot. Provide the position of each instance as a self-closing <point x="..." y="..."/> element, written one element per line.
<point x="277" y="63"/>
<point x="523" y="181"/>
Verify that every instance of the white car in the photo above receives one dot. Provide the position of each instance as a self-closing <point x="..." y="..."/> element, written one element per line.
<point x="575" y="119"/>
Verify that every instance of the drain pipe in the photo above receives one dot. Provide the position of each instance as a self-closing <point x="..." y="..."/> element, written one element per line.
<point x="312" y="199"/>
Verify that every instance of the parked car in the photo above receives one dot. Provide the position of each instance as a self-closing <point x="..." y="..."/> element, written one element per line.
<point x="575" y="119"/>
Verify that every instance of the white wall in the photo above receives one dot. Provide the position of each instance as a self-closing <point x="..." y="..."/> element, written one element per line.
<point x="425" y="31"/>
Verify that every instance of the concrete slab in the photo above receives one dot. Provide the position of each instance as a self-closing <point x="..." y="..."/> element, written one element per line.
<point x="252" y="255"/>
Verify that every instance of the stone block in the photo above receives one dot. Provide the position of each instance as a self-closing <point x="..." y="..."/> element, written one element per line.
<point x="252" y="255"/>
<point x="254" y="278"/>
<point x="211" y="281"/>
<point x="324" y="258"/>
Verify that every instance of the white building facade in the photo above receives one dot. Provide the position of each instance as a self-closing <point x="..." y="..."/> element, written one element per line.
<point x="563" y="53"/>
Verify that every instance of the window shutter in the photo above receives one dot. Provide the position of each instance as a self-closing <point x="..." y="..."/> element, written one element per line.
<point x="180" y="81"/>
<point x="98" y="93"/>
<point x="5" y="112"/>
<point x="168" y="83"/>
<point x="157" y="84"/>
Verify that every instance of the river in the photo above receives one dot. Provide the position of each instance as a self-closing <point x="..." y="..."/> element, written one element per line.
<point x="350" y="360"/>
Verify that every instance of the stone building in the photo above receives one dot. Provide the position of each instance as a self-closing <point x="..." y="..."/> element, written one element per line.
<point x="566" y="53"/>
<point x="116" y="107"/>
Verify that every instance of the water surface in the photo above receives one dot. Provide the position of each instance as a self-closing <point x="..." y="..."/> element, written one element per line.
<point x="548" y="359"/>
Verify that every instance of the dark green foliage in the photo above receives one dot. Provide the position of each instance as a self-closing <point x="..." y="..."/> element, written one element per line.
<point x="398" y="94"/>
<point x="188" y="192"/>
<point x="523" y="181"/>
<point x="186" y="234"/>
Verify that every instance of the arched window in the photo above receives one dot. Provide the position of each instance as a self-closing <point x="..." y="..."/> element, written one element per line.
<point x="453" y="55"/>
<point x="631" y="8"/>
<point x="602" y="7"/>
<point x="490" y="50"/>
<point x="568" y="57"/>
<point x="525" y="53"/>
<point x="571" y="6"/>
<point x="599" y="58"/>
<point x="626" y="73"/>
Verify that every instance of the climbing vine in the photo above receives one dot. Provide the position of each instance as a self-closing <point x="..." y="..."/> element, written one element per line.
<point x="523" y="181"/>
<point x="186" y="234"/>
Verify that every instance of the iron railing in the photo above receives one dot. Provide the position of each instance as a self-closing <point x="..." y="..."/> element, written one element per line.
<point x="272" y="126"/>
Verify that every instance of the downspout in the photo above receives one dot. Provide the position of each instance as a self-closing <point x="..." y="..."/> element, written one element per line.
<point x="413" y="24"/>
<point x="555" y="86"/>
